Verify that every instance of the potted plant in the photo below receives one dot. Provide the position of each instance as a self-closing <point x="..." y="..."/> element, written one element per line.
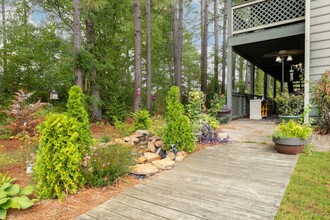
<point x="290" y="137"/>
<point x="290" y="106"/>
<point x="218" y="108"/>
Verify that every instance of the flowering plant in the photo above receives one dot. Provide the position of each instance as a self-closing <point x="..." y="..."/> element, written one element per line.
<point x="102" y="166"/>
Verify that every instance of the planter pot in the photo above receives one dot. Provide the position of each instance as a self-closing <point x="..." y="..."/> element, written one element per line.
<point x="291" y="146"/>
<point x="223" y="116"/>
<point x="287" y="118"/>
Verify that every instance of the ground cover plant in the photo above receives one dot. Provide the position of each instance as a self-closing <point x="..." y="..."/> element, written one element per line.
<point x="308" y="195"/>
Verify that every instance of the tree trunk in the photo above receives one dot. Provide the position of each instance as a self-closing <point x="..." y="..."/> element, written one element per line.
<point x="4" y="37"/>
<point x="77" y="43"/>
<point x="240" y="74"/>
<point x="90" y="38"/>
<point x="216" y="47"/>
<point x="224" y="45"/>
<point x="234" y="70"/>
<point x="180" y="46"/>
<point x="248" y="78"/>
<point x="204" y="50"/>
<point x="177" y="32"/>
<point x="175" y="42"/>
<point x="137" y="56"/>
<point x="149" y="42"/>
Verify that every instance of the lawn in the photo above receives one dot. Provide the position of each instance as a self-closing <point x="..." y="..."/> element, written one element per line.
<point x="308" y="193"/>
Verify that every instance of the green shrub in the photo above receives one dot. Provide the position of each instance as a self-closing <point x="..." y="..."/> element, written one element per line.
<point x="12" y="196"/>
<point x="58" y="157"/>
<point x="76" y="109"/>
<point x="103" y="166"/>
<point x="142" y="120"/>
<point x="178" y="129"/>
<point x="292" y="129"/>
<point x="289" y="104"/>
<point x="216" y="104"/>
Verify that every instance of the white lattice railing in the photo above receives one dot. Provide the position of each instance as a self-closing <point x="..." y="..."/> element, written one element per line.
<point x="261" y="14"/>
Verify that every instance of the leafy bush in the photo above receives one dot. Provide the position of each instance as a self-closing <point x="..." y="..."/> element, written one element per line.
<point x="197" y="116"/>
<point x="59" y="157"/>
<point x="158" y="125"/>
<point x="103" y="166"/>
<point x="217" y="103"/>
<point x="76" y="109"/>
<point x="12" y="196"/>
<point x="321" y="98"/>
<point x="292" y="129"/>
<point x="196" y="104"/>
<point x="142" y="120"/>
<point x="289" y="104"/>
<point x="23" y="114"/>
<point x="178" y="129"/>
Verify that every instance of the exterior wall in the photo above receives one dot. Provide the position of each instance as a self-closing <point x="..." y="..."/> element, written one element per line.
<point x="319" y="38"/>
<point x="319" y="42"/>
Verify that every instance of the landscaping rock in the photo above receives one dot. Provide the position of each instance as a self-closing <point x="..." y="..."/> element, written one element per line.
<point x="141" y="160"/>
<point x="151" y="156"/>
<point x="154" y="139"/>
<point x="143" y="142"/>
<point x="182" y="153"/>
<point x="151" y="147"/>
<point x="163" y="164"/>
<point x="170" y="156"/>
<point x="135" y="139"/>
<point x="143" y="132"/>
<point x="127" y="139"/>
<point x="179" y="158"/>
<point x="159" y="143"/>
<point x="144" y="169"/>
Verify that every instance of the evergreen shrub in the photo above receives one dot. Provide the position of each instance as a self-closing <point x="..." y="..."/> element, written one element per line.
<point x="76" y="109"/>
<point x="142" y="120"/>
<point x="58" y="157"/>
<point x="178" y="129"/>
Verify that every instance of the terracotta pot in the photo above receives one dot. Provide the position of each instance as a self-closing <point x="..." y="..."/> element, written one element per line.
<point x="291" y="146"/>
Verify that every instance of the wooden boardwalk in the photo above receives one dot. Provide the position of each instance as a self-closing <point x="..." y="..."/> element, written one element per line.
<point x="235" y="181"/>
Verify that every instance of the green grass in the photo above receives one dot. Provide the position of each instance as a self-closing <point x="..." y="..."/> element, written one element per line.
<point x="308" y="193"/>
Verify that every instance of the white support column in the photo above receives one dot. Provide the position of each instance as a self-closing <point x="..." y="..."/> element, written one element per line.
<point x="230" y="59"/>
<point x="307" y="58"/>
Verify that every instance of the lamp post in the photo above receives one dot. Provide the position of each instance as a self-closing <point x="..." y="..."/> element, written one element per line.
<point x="281" y="59"/>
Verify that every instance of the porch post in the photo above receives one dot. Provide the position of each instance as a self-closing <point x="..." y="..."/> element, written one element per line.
<point x="252" y="78"/>
<point x="265" y="85"/>
<point x="230" y="59"/>
<point x="307" y="58"/>
<point x="274" y="89"/>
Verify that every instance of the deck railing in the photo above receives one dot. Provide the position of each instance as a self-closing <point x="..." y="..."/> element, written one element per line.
<point x="241" y="104"/>
<point x="261" y="14"/>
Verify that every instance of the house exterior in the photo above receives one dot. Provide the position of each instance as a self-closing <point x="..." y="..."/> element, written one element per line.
<point x="275" y="34"/>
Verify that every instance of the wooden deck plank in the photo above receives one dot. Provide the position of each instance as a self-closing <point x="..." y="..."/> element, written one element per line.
<point x="129" y="211"/>
<point x="101" y="213"/>
<point x="201" y="200"/>
<point x="150" y="207"/>
<point x="237" y="181"/>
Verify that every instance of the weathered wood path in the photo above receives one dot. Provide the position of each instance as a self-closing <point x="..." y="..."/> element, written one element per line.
<point x="236" y="181"/>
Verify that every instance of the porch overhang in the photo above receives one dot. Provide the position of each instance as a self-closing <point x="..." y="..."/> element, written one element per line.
<point x="261" y="48"/>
